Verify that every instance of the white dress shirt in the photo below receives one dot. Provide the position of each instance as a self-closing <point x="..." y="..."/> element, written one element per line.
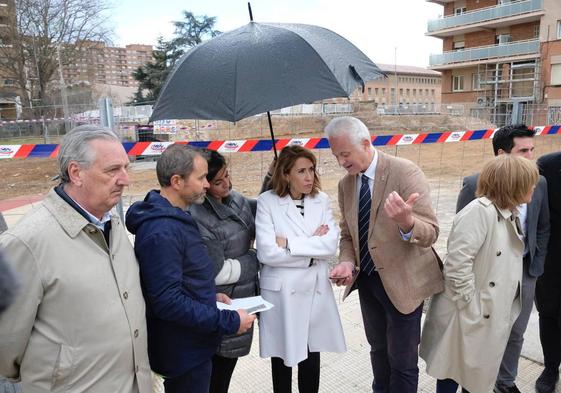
<point x="370" y="173"/>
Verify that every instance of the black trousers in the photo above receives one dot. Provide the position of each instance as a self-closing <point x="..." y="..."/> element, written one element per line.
<point x="550" y="338"/>
<point x="308" y="375"/>
<point x="222" y="369"/>
<point x="195" y="380"/>
<point x="393" y="337"/>
<point x="447" y="386"/>
<point x="548" y="303"/>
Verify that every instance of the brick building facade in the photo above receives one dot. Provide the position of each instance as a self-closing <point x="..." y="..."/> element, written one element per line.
<point x="101" y="64"/>
<point x="406" y="87"/>
<point x="501" y="58"/>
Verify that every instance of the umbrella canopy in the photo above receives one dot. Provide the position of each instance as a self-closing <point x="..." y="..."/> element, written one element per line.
<point x="261" y="67"/>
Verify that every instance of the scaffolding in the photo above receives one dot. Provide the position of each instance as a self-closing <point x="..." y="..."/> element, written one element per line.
<point x="507" y="89"/>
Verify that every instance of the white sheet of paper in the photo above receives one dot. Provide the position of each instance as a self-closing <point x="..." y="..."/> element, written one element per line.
<point x="250" y="304"/>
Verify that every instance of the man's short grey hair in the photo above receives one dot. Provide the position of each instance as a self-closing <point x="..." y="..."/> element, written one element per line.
<point x="177" y="159"/>
<point x="355" y="129"/>
<point x="75" y="146"/>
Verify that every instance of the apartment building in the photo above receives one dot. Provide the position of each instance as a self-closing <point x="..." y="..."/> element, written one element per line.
<point x="501" y="58"/>
<point x="101" y="64"/>
<point x="411" y="89"/>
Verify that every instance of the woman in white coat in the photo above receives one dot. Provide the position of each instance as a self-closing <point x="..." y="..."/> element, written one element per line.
<point x="295" y="233"/>
<point x="467" y="326"/>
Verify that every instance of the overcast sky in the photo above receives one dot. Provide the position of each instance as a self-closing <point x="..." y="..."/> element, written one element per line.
<point x="377" y="27"/>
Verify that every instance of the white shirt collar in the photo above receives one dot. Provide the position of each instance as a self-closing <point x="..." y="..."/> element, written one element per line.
<point x="370" y="172"/>
<point x="98" y="223"/>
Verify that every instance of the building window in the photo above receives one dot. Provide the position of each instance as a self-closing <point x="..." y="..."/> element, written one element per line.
<point x="502" y="39"/>
<point x="376" y="91"/>
<point x="458" y="83"/>
<point x="476" y="81"/>
<point x="8" y="82"/>
<point x="559" y="29"/>
<point x="369" y="91"/>
<point x="460" y="10"/>
<point x="536" y="30"/>
<point x="556" y="74"/>
<point x="459" y="45"/>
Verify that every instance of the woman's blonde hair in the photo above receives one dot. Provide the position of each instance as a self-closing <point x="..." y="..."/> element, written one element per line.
<point x="285" y="162"/>
<point x="507" y="179"/>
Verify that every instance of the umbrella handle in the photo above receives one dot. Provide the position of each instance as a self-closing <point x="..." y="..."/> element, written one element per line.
<point x="272" y="134"/>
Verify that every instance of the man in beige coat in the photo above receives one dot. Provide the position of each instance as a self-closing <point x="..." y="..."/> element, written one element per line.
<point x="79" y="323"/>
<point x="387" y="229"/>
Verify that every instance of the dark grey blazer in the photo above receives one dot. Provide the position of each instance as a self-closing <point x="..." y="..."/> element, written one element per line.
<point x="548" y="290"/>
<point x="537" y="220"/>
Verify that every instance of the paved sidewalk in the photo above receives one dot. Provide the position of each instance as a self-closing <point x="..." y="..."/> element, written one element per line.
<point x="351" y="372"/>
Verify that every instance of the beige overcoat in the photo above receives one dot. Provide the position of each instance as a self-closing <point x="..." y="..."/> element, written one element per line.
<point x="78" y="324"/>
<point x="410" y="270"/>
<point x="467" y="326"/>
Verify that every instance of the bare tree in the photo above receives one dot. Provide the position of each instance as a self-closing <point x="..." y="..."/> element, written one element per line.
<point x="39" y="31"/>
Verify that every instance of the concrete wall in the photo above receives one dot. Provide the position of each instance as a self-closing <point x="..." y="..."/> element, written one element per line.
<point x="548" y="26"/>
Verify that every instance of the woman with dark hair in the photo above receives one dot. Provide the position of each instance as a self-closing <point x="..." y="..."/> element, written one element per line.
<point x="296" y="234"/>
<point x="468" y="324"/>
<point x="227" y="226"/>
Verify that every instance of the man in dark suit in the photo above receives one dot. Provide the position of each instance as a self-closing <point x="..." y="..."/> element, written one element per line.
<point x="548" y="290"/>
<point x="388" y="226"/>
<point x="534" y="216"/>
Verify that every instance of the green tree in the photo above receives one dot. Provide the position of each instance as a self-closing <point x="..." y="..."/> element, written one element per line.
<point x="189" y="32"/>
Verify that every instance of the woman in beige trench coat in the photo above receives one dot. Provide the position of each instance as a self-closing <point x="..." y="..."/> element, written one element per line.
<point x="468" y="324"/>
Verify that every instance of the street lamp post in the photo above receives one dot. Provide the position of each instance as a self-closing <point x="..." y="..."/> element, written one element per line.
<point x="395" y="77"/>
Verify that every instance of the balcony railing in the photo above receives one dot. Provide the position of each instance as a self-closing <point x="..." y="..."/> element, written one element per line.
<point x="486" y="52"/>
<point x="485" y="14"/>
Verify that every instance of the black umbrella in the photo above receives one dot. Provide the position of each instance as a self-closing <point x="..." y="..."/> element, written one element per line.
<point x="261" y="67"/>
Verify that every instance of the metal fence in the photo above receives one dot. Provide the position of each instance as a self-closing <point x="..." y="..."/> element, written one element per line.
<point x="422" y="109"/>
<point x="50" y="127"/>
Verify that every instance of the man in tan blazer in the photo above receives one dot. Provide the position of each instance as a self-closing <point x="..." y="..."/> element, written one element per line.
<point x="387" y="229"/>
